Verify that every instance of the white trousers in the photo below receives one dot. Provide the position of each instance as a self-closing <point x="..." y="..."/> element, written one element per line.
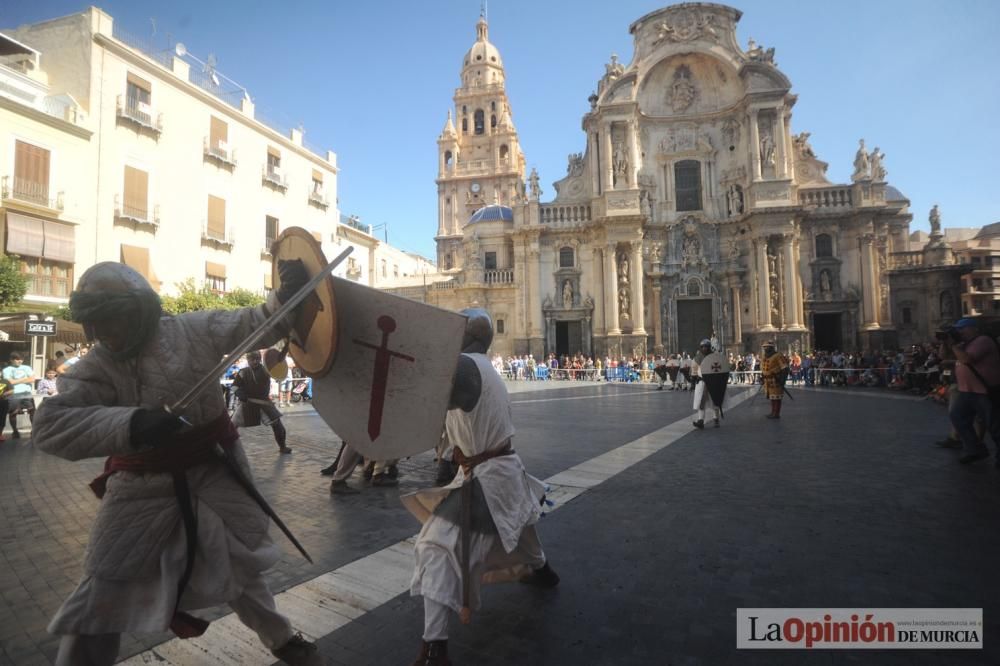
<point x="255" y="608"/>
<point x="435" y="621"/>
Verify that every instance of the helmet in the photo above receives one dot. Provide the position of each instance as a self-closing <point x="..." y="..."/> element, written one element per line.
<point x="110" y="290"/>
<point x="705" y="343"/>
<point x="478" y="331"/>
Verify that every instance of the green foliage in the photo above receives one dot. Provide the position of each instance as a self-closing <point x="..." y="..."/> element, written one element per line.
<point x="13" y="283"/>
<point x="191" y="299"/>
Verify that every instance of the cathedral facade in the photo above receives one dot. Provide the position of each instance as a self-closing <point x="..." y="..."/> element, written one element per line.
<point x="692" y="210"/>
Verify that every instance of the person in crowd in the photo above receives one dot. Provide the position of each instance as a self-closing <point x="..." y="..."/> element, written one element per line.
<point x="22" y="379"/>
<point x="6" y="391"/>
<point x="251" y="387"/>
<point x="685" y="372"/>
<point x="175" y="530"/>
<point x="977" y="373"/>
<point x="660" y="369"/>
<point x="775" y="372"/>
<point x="47" y="386"/>
<point x="491" y="506"/>
<point x="57" y="360"/>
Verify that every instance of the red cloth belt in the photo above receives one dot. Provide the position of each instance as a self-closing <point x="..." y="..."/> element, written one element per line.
<point x="468" y="462"/>
<point x="182" y="452"/>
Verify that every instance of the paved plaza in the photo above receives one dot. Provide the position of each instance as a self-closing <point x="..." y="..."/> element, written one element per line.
<point x="659" y="534"/>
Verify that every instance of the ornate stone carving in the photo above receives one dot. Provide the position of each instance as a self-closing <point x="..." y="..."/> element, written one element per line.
<point x="686" y="25"/>
<point x="623" y="266"/>
<point x="766" y="146"/>
<point x="575" y="165"/>
<point x="731" y="132"/>
<point x="691" y="250"/>
<point x="535" y="189"/>
<point x="935" y="220"/>
<point x="624" y="305"/>
<point x="682" y="92"/>
<point x="757" y="53"/>
<point x="567" y="294"/>
<point x="878" y="171"/>
<point x="737" y="174"/>
<point x="734" y="200"/>
<point x="802" y="148"/>
<point x="614" y="69"/>
<point x="861" y="165"/>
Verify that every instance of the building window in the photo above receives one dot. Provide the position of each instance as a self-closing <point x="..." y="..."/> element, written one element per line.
<point x="215" y="277"/>
<point x="566" y="257"/>
<point x="215" y="226"/>
<point x="493" y="106"/>
<point x="447" y="159"/>
<point x="135" y="202"/>
<point x="31" y="173"/>
<point x="138" y="99"/>
<point x="270" y="231"/>
<point x="493" y="121"/>
<point x="317" y="184"/>
<point x="449" y="262"/>
<point x="395" y="270"/>
<point x="46" y="277"/>
<point x="465" y="125"/>
<point x="491" y="261"/>
<point x="385" y="270"/>
<point x="480" y="121"/>
<point x="687" y="183"/>
<point x="907" y="316"/>
<point x="504" y="153"/>
<point x="824" y="245"/>
<point x="218" y="138"/>
<point x="273" y="164"/>
<point x="500" y="327"/>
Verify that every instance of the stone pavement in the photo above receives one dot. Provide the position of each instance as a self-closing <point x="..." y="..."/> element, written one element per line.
<point x="841" y="503"/>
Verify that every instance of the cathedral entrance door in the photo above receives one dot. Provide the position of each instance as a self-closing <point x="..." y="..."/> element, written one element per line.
<point x="569" y="338"/>
<point x="694" y="323"/>
<point x="827" y="332"/>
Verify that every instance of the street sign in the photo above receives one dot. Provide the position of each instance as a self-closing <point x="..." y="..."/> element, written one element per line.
<point x="35" y="327"/>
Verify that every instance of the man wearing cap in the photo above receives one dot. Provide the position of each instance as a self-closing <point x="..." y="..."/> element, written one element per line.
<point x="977" y="370"/>
<point x="175" y="531"/>
<point x="253" y="390"/>
<point x="701" y="396"/>
<point x="481" y="526"/>
<point x="774" y="368"/>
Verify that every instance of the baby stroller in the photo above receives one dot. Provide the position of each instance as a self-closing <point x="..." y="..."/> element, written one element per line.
<point x="302" y="390"/>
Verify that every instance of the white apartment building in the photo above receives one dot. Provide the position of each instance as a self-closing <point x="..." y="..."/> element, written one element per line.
<point x="147" y="157"/>
<point x="376" y="263"/>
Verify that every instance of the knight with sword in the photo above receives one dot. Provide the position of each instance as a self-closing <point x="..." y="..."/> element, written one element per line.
<point x="180" y="526"/>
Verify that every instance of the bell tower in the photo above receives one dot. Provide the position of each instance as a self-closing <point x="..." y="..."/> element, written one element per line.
<point x="479" y="156"/>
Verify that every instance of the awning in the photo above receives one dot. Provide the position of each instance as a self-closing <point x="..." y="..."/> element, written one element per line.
<point x="67" y="332"/>
<point x="60" y="242"/>
<point x="25" y="235"/>
<point x="136" y="258"/>
<point x="215" y="270"/>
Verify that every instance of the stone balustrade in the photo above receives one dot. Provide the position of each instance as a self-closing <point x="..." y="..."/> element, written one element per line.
<point x="827" y="197"/>
<point x="914" y="259"/>
<point x="499" y="276"/>
<point x="559" y="215"/>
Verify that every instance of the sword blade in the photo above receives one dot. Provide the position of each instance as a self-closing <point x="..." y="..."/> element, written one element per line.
<point x="255" y="495"/>
<point x="212" y="376"/>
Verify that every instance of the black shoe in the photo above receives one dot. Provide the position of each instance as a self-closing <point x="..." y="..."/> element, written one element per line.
<point x="433" y="653"/>
<point x="544" y="577"/>
<point x="973" y="457"/>
<point x="773" y="416"/>
<point x="341" y="488"/>
<point x="15" y="435"/>
<point x="285" y="450"/>
<point x="699" y="424"/>
<point x="297" y="651"/>
<point x="384" y="479"/>
<point x="948" y="443"/>
<point x="328" y="471"/>
<point x="716" y="423"/>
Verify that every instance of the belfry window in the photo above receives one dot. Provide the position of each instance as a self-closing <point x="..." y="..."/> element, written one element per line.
<point x="480" y="121"/>
<point x="493" y="121"/>
<point x="504" y="152"/>
<point x="687" y="183"/>
<point x="465" y="125"/>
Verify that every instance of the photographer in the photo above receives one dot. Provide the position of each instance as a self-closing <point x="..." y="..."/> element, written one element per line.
<point x="977" y="370"/>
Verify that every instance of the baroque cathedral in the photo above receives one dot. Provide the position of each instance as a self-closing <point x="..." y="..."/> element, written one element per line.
<point x="693" y="210"/>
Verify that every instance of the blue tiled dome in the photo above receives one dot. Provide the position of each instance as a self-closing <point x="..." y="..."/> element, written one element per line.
<point x="491" y="213"/>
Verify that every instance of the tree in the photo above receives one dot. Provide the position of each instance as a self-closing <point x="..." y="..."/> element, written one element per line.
<point x="13" y="283"/>
<point x="191" y="299"/>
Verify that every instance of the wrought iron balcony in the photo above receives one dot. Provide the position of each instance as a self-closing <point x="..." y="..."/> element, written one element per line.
<point x="31" y="192"/>
<point x="317" y="199"/>
<point x="223" y="239"/>
<point x="273" y="177"/>
<point x="138" y="213"/>
<point x="139" y="113"/>
<point x="220" y="153"/>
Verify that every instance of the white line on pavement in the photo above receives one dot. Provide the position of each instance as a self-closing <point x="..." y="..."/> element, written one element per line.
<point x="324" y="604"/>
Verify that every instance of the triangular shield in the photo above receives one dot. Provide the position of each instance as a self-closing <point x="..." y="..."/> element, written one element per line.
<point x="715" y="374"/>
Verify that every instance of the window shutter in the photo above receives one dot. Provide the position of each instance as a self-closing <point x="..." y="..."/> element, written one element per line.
<point x="219" y="132"/>
<point x="268" y="280"/>
<point x="25" y="235"/>
<point x="215" y="270"/>
<point x="136" y="193"/>
<point x="140" y="82"/>
<point x="136" y="258"/>
<point x="60" y="242"/>
<point x="216" y="217"/>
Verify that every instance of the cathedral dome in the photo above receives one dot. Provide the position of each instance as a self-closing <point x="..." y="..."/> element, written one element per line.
<point x="482" y="52"/>
<point x="492" y="213"/>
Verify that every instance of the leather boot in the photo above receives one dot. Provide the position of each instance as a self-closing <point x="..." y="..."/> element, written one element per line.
<point x="433" y="653"/>
<point x="543" y="577"/>
<point x="775" y="406"/>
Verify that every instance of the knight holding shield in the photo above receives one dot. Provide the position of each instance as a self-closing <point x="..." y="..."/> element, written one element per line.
<point x="710" y="372"/>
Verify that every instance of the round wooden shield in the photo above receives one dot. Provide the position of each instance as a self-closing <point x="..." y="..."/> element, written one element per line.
<point x="314" y="336"/>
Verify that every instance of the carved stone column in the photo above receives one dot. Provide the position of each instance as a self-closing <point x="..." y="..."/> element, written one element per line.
<point x="595" y="163"/>
<point x="607" y="153"/>
<point x="655" y="311"/>
<point x="736" y="315"/>
<point x="869" y="281"/>
<point x="755" y="146"/>
<point x="638" y="300"/>
<point x="610" y="291"/>
<point x="792" y="296"/>
<point x="800" y="302"/>
<point x="599" y="286"/>
<point x="763" y="286"/>
<point x="633" y="154"/>
<point x="779" y="146"/>
<point x="534" y="289"/>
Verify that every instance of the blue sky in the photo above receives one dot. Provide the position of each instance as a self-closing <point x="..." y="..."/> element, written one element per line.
<point x="374" y="80"/>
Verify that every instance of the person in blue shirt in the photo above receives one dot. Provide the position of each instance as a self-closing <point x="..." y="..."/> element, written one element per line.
<point x="22" y="379"/>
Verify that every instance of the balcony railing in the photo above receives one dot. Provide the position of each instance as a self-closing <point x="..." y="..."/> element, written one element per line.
<point x="317" y="199"/>
<point x="273" y="177"/>
<point x="136" y="212"/>
<point x="827" y="197"/>
<point x="140" y="113"/>
<point x="499" y="276"/>
<point x="31" y="192"/>
<point x="220" y="152"/>
<point x="914" y="259"/>
<point x="353" y="271"/>
<point x="565" y="216"/>
<point x="209" y="235"/>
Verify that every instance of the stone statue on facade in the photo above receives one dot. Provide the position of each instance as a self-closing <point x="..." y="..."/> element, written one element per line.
<point x="624" y="309"/>
<point x="575" y="164"/>
<point x="623" y="268"/>
<point x="731" y="132"/>
<point x="935" y="219"/>
<point x="620" y="161"/>
<point x="878" y="171"/>
<point x="775" y="305"/>
<point x="766" y="147"/>
<point x="613" y="69"/>
<point x="772" y="265"/>
<point x="534" y="188"/>
<point x="825" y="286"/>
<point x="734" y="199"/>
<point x="861" y="165"/>
<point x="567" y="294"/>
<point x="682" y="91"/>
<point x="588" y="303"/>
<point x="757" y="53"/>
<point x="802" y="148"/>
